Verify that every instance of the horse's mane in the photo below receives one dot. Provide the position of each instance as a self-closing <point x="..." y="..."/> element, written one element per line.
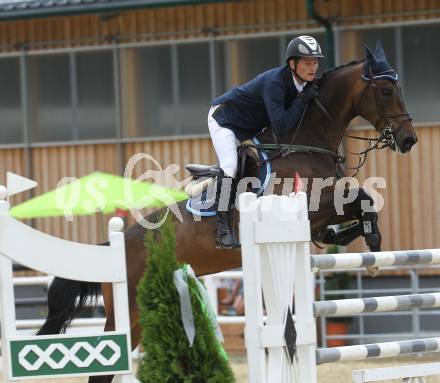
<point x="329" y="72"/>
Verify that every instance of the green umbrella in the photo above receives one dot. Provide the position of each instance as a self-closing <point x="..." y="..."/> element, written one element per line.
<point x="97" y="192"/>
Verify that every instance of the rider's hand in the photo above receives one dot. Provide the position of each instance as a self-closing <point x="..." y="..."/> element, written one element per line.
<point x="307" y="94"/>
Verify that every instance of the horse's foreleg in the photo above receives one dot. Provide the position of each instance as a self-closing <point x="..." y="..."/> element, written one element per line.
<point x="341" y="237"/>
<point x="371" y="231"/>
<point x="367" y="218"/>
<point x="359" y="209"/>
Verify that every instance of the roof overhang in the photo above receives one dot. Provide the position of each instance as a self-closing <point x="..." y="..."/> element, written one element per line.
<point x="43" y="8"/>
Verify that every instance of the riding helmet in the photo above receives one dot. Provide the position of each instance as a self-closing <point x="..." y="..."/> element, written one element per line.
<point x="303" y="46"/>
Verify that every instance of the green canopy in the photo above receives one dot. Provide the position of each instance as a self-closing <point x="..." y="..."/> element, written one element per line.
<point x="97" y="192"/>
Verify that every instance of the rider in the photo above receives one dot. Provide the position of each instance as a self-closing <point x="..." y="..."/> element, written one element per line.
<point x="276" y="99"/>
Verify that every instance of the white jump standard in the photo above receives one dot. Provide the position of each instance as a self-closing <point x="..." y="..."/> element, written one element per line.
<point x="272" y="232"/>
<point x="88" y="354"/>
<point x="275" y="234"/>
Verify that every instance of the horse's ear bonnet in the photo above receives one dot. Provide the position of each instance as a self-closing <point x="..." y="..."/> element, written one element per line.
<point x="376" y="65"/>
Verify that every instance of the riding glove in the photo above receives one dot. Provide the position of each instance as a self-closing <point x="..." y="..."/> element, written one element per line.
<point x="307" y="94"/>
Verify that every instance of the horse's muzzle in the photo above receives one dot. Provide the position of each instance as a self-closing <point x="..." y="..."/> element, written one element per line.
<point x="405" y="137"/>
<point x="407" y="144"/>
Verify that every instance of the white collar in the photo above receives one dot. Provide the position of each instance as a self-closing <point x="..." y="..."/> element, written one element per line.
<point x="299" y="87"/>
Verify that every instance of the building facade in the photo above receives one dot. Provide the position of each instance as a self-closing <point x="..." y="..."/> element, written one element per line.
<point x="85" y="89"/>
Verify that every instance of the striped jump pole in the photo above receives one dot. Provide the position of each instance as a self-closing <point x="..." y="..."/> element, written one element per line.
<point x="377" y="350"/>
<point x="349" y="261"/>
<point x="346" y="307"/>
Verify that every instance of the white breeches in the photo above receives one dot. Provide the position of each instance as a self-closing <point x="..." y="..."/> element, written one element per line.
<point x="225" y="145"/>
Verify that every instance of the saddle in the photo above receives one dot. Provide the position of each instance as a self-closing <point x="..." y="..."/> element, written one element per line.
<point x="201" y="190"/>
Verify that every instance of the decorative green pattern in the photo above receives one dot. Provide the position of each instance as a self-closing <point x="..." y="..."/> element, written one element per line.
<point x="48" y="356"/>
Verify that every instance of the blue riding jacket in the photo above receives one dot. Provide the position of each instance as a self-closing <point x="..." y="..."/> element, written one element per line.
<point x="269" y="100"/>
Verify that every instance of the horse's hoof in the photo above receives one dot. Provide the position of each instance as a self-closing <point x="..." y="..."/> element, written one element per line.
<point x="225" y="246"/>
<point x="235" y="246"/>
<point x="373" y="241"/>
<point x="372" y="271"/>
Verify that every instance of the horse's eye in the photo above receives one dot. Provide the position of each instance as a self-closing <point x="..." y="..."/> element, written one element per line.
<point x="387" y="91"/>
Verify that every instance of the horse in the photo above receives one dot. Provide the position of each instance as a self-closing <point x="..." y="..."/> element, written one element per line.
<point x="359" y="88"/>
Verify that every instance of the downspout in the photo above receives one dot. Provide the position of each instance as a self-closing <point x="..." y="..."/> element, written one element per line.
<point x="329" y="35"/>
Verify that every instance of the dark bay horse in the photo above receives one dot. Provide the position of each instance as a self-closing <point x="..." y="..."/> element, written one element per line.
<point x="354" y="89"/>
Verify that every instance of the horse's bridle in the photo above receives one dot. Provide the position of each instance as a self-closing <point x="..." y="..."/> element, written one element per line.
<point x="387" y="134"/>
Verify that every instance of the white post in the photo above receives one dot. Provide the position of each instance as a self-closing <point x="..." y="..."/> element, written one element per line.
<point x="277" y="265"/>
<point x="7" y="308"/>
<point x="275" y="235"/>
<point x="120" y="291"/>
<point x="252" y="288"/>
<point x="304" y="297"/>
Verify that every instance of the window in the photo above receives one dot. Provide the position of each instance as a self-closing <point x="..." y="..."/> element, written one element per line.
<point x="220" y="63"/>
<point x="421" y="76"/>
<point x="353" y="44"/>
<point x="166" y="90"/>
<point x="194" y="88"/>
<point x="147" y="96"/>
<point x="248" y="58"/>
<point x="96" y="113"/>
<point x="419" y="54"/>
<point x="352" y="47"/>
<point x="49" y="98"/>
<point x="11" y="121"/>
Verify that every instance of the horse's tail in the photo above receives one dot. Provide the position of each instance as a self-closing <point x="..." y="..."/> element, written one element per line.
<point x="63" y="304"/>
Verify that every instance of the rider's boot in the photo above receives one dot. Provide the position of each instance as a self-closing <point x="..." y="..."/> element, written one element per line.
<point x="224" y="237"/>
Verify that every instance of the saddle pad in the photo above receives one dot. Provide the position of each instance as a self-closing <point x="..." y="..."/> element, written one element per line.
<point x="204" y="205"/>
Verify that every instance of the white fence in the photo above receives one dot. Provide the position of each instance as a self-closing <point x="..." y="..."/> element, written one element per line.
<point x="25" y="357"/>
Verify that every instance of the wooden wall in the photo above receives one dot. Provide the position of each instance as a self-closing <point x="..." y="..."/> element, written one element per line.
<point x="49" y="165"/>
<point x="246" y="16"/>
<point x="410" y="218"/>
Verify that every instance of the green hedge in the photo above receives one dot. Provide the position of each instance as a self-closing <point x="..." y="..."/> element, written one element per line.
<point x="168" y="355"/>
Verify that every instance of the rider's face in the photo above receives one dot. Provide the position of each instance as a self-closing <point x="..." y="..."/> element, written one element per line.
<point x="306" y="67"/>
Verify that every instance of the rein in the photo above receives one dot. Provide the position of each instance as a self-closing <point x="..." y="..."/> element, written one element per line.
<point x="283" y="150"/>
<point x="286" y="149"/>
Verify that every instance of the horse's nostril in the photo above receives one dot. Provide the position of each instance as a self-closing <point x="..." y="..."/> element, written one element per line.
<point x="408" y="143"/>
<point x="411" y="141"/>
